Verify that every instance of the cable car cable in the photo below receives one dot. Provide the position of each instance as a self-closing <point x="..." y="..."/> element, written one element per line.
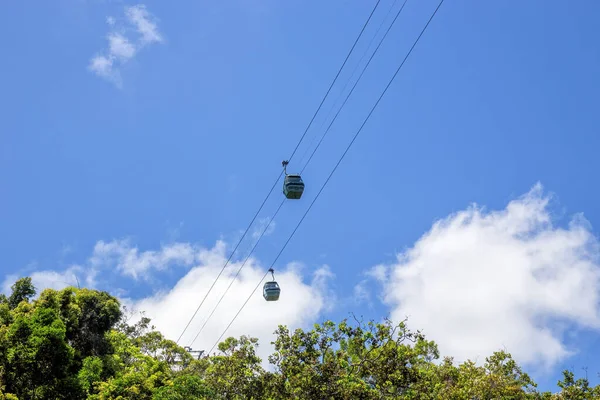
<point x="311" y="156"/>
<point x="230" y="256"/>
<point x="335" y="79"/>
<point x="349" y="79"/>
<point x="314" y="151"/>
<point x="238" y="272"/>
<point x="334" y="168"/>
<point x="354" y="86"/>
<point x="238" y="313"/>
<point x="281" y="173"/>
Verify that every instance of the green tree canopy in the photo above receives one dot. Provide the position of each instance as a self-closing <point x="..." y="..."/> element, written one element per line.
<point x="22" y="290"/>
<point x="80" y="344"/>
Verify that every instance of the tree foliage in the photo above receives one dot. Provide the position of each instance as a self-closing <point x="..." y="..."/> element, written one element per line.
<point x="22" y="290"/>
<point x="80" y="344"/>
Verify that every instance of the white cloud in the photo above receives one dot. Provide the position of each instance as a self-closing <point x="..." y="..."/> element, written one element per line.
<point x="261" y="225"/>
<point x="140" y="17"/>
<point x="299" y="305"/>
<point x="103" y="67"/>
<point x="173" y="232"/>
<point x="479" y="281"/>
<point x="130" y="261"/>
<point x="122" y="48"/>
<point x="361" y="293"/>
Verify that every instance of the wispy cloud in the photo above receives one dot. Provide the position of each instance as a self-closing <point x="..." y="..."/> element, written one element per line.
<point x="122" y="45"/>
<point x="140" y="264"/>
<point x="361" y="293"/>
<point x="263" y="225"/>
<point x="143" y="21"/>
<point x="479" y="281"/>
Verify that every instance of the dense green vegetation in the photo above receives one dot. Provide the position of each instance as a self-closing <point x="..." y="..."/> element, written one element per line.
<point x="77" y="344"/>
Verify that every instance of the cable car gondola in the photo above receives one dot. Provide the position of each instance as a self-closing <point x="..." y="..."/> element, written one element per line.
<point x="293" y="186"/>
<point x="271" y="289"/>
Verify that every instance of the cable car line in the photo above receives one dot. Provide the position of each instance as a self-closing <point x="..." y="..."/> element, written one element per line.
<point x="312" y="154"/>
<point x="354" y="86"/>
<point x="281" y="173"/>
<point x="334" y="168"/>
<point x="349" y="79"/>
<point x="335" y="79"/>
<point x="230" y="256"/>
<point x="238" y="313"/>
<point x="238" y="272"/>
<point x="314" y="151"/>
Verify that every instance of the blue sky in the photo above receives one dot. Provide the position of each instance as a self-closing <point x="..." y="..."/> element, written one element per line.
<point x="153" y="160"/>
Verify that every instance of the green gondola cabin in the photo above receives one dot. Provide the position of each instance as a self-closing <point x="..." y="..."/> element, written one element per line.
<point x="293" y="187"/>
<point x="271" y="289"/>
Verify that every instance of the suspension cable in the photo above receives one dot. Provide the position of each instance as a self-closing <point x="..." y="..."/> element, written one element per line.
<point x="334" y="169"/>
<point x="336" y="76"/>
<point x="281" y="173"/>
<point x="311" y="156"/>
<point x="349" y="79"/>
<point x="353" y="87"/>
<point x="238" y="272"/>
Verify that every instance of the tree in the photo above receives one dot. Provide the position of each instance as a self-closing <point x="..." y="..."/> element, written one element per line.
<point x="90" y="374"/>
<point x="142" y="362"/>
<point x="22" y="290"/>
<point x="499" y="378"/>
<point x="185" y="387"/>
<point x="56" y="346"/>
<point x="88" y="315"/>
<point x="79" y="344"/>
<point x="365" y="361"/>
<point x="580" y="389"/>
<point x="237" y="373"/>
<point x="36" y="356"/>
